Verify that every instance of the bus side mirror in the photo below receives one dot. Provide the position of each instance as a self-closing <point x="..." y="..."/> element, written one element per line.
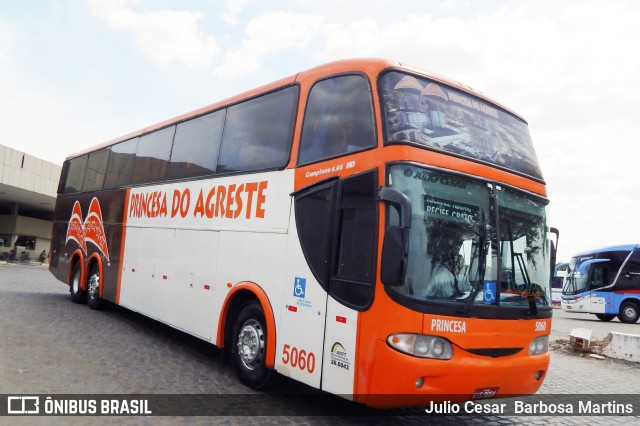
<point x="395" y="247"/>
<point x="554" y="251"/>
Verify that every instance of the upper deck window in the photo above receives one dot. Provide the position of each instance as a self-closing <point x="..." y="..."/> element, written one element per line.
<point x="120" y="167"/>
<point x="75" y="171"/>
<point x="96" y="169"/>
<point x="152" y="156"/>
<point x="421" y="112"/>
<point x="258" y="133"/>
<point x="196" y="146"/>
<point x="338" y="120"/>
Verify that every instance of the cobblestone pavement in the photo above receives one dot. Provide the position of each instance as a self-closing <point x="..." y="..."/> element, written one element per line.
<point x="49" y="345"/>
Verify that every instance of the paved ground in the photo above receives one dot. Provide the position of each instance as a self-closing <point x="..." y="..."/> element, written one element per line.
<point x="49" y="345"/>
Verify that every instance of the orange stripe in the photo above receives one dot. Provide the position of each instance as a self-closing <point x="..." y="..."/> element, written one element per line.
<point x="268" y="316"/>
<point x="124" y="234"/>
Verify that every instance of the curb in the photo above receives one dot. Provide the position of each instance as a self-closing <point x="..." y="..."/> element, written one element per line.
<point x="615" y="345"/>
<point x="622" y="346"/>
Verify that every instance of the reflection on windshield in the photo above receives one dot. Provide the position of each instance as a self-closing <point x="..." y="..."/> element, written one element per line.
<point x="425" y="113"/>
<point x="456" y="253"/>
<point x="523" y="238"/>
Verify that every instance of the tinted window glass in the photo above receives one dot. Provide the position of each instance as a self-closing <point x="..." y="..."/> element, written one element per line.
<point x="258" y="133"/>
<point x="196" y="146"/>
<point x="75" y="174"/>
<point x="435" y="116"/>
<point x="152" y="156"/>
<point x="314" y="209"/>
<point x="96" y="170"/>
<point x="352" y="283"/>
<point x="338" y="120"/>
<point x="120" y="165"/>
<point x="630" y="275"/>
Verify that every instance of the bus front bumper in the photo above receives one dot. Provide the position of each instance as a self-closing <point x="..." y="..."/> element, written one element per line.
<point x="399" y="379"/>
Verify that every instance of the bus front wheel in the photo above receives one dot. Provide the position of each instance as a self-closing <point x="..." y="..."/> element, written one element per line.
<point x="77" y="294"/>
<point x="605" y="317"/>
<point x="93" y="288"/>
<point x="629" y="312"/>
<point x="249" y="347"/>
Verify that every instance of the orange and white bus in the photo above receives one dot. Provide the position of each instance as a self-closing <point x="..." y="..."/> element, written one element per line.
<point x="367" y="228"/>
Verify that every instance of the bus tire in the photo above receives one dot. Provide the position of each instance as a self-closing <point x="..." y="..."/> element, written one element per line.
<point x="605" y="317"/>
<point x="75" y="291"/>
<point x="93" y="288"/>
<point x="629" y="312"/>
<point x="249" y="347"/>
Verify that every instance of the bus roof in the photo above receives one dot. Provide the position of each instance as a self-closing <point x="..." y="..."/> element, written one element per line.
<point x="371" y="66"/>
<point x="621" y="247"/>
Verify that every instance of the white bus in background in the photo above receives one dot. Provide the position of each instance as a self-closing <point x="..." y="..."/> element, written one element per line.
<point x="559" y="272"/>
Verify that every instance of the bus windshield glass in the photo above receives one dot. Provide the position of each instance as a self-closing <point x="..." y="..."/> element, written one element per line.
<point x="460" y="253"/>
<point x="596" y="269"/>
<point x="428" y="114"/>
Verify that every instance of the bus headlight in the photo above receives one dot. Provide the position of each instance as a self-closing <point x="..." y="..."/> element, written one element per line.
<point x="421" y="345"/>
<point x="539" y="345"/>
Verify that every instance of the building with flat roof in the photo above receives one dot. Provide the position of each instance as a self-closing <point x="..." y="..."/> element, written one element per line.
<point x="28" y="187"/>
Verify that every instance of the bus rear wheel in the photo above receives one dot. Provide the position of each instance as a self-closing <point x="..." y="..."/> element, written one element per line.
<point x="93" y="288"/>
<point x="605" y="317"/>
<point x="249" y="347"/>
<point x="77" y="294"/>
<point x="629" y="312"/>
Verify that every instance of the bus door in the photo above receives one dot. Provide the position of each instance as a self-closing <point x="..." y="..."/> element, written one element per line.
<point x="598" y="275"/>
<point x="332" y="277"/>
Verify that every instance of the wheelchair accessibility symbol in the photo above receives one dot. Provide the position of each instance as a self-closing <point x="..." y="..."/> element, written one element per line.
<point x="489" y="292"/>
<point x="300" y="287"/>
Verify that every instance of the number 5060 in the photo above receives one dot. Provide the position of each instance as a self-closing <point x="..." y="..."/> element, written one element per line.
<point x="298" y="358"/>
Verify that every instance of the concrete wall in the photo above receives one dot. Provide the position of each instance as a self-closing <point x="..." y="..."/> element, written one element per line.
<point x="27" y="184"/>
<point x="28" y="172"/>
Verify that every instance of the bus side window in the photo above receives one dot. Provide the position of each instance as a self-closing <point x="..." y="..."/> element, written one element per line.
<point x="338" y="119"/>
<point x="599" y="275"/>
<point x="152" y="156"/>
<point x="630" y="274"/>
<point x="75" y="174"/>
<point x="96" y="170"/>
<point x="314" y="208"/>
<point x="196" y="146"/>
<point x="258" y="133"/>
<point x="353" y="276"/>
<point x="120" y="168"/>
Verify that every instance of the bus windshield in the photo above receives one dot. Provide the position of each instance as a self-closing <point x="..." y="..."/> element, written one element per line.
<point x="591" y="270"/>
<point x="460" y="253"/>
<point x="434" y="116"/>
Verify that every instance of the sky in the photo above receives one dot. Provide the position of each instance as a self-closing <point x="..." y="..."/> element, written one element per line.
<point x="76" y="73"/>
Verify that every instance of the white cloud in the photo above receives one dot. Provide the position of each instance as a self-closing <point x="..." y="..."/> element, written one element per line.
<point x="265" y="35"/>
<point x="570" y="70"/>
<point x="166" y="36"/>
<point x="235" y="7"/>
<point x="12" y="44"/>
<point x="5" y="45"/>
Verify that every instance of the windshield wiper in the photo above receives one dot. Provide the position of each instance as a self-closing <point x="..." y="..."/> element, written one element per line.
<point x="529" y="288"/>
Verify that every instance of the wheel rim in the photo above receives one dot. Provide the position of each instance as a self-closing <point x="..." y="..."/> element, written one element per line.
<point x="251" y="344"/>
<point x="630" y="312"/>
<point x="93" y="285"/>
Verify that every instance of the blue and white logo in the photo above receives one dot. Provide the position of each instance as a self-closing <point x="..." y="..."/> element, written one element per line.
<point x="300" y="287"/>
<point x="489" y="291"/>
